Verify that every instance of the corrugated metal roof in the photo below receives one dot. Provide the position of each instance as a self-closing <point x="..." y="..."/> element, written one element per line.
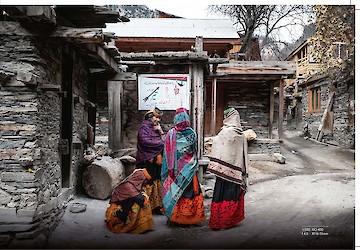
<point x="174" y="28"/>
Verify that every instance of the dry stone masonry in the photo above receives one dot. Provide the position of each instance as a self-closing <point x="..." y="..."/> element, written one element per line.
<point x="31" y="192"/>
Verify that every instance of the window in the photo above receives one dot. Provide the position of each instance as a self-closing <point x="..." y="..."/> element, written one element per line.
<point x="314" y="100"/>
<point x="340" y="50"/>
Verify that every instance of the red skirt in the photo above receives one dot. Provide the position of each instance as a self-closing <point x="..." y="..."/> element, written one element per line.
<point x="227" y="206"/>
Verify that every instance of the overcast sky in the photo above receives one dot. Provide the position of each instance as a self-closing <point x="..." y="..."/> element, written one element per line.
<point x="197" y="9"/>
<point x="184" y="8"/>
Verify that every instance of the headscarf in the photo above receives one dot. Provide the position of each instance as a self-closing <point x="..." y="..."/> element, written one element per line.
<point x="179" y="160"/>
<point x="149" y="142"/>
<point x="153" y="112"/>
<point x="232" y="118"/>
<point x="228" y="158"/>
<point x="130" y="186"/>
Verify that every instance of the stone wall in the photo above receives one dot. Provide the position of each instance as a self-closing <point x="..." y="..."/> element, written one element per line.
<point x="344" y="115"/>
<point x="80" y="93"/>
<point x="343" y="133"/>
<point x="252" y="103"/>
<point x="264" y="146"/>
<point x="31" y="194"/>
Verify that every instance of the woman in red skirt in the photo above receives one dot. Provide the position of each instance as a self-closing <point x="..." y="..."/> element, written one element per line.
<point x="228" y="161"/>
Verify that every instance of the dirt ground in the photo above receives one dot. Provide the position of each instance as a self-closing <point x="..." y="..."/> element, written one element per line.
<point x="306" y="203"/>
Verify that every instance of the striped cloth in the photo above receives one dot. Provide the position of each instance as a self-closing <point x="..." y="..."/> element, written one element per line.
<point x="179" y="161"/>
<point x="228" y="158"/>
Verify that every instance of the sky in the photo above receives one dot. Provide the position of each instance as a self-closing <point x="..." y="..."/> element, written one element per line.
<point x="183" y="8"/>
<point x="198" y="8"/>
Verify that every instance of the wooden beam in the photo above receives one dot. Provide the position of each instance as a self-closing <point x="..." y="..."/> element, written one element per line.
<point x="137" y="62"/>
<point x="217" y="60"/>
<point x="259" y="67"/>
<point x="125" y="76"/>
<point x="271" y="111"/>
<point x="78" y="35"/>
<point x="213" y="105"/>
<point x="45" y="14"/>
<point x="244" y="77"/>
<point x="107" y="61"/>
<point x="115" y="92"/>
<point x="169" y="55"/>
<point x="199" y="103"/>
<point x="281" y="109"/>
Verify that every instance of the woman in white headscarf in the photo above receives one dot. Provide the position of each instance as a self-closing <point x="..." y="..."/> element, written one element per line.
<point x="228" y="161"/>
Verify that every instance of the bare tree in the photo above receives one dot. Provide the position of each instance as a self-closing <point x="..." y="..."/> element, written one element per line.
<point x="275" y="25"/>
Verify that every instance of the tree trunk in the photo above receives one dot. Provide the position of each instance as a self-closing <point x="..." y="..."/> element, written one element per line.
<point x="102" y="176"/>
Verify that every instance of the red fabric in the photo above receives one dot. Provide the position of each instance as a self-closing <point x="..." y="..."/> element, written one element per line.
<point x="181" y="119"/>
<point x="226" y="214"/>
<point x="130" y="186"/>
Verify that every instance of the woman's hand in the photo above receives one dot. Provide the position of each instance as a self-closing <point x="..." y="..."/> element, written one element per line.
<point x="158" y="127"/>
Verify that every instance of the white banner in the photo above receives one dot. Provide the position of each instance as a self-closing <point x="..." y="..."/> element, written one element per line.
<point x="164" y="91"/>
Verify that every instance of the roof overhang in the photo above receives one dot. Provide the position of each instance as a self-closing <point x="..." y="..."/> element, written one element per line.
<point x="304" y="43"/>
<point x="78" y="25"/>
<point x="312" y="79"/>
<point x="156" y="44"/>
<point x="254" y="71"/>
<point x="162" y="58"/>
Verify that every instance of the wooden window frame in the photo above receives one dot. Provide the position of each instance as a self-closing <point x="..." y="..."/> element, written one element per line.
<point x="314" y="99"/>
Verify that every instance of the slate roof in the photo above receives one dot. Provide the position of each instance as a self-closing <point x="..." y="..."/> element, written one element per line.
<point x="174" y="28"/>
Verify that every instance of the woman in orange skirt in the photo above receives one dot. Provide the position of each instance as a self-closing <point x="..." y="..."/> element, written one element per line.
<point x="130" y="210"/>
<point x="182" y="198"/>
<point x="150" y="145"/>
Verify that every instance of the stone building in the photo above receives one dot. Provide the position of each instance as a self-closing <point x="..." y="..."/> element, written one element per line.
<point x="321" y="99"/>
<point x="329" y="109"/>
<point x="50" y="57"/>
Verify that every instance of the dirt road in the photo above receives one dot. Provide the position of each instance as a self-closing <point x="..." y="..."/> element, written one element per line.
<point x="306" y="203"/>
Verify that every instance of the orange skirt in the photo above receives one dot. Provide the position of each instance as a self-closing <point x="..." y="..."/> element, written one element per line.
<point x="138" y="220"/>
<point x="154" y="192"/>
<point x="190" y="211"/>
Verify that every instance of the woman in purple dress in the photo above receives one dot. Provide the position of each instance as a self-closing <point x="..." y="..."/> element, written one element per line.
<point x="150" y="145"/>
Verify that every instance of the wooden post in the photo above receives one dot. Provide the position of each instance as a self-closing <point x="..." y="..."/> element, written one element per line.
<point x="193" y="98"/>
<point x="115" y="89"/>
<point x="197" y="77"/>
<point x="271" y="111"/>
<point x="281" y="108"/>
<point x="213" y="106"/>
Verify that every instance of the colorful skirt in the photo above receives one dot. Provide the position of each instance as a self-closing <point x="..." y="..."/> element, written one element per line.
<point x="138" y="220"/>
<point x="153" y="186"/>
<point x="189" y="209"/>
<point x="227" y="206"/>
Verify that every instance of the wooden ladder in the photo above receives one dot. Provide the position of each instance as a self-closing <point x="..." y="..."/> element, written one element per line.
<point x="329" y="104"/>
